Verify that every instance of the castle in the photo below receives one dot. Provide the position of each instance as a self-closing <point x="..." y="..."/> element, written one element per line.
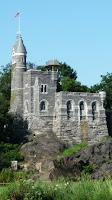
<point x="72" y="116"/>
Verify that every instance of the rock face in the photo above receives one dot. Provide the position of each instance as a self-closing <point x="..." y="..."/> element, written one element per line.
<point x="95" y="159"/>
<point x="41" y="157"/>
<point x="40" y="153"/>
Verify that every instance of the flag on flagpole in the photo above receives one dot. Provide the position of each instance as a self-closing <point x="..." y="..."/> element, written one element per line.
<point x="17" y="15"/>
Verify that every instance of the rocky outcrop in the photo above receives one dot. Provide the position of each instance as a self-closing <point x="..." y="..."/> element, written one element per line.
<point x="95" y="160"/>
<point x="40" y="153"/>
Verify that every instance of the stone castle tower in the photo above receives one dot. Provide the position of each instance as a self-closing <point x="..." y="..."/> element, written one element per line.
<point x="18" y="68"/>
<point x="72" y="116"/>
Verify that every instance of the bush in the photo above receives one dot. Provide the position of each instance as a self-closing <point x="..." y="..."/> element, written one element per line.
<point x="6" y="176"/>
<point x="89" y="168"/>
<point x="9" y="152"/>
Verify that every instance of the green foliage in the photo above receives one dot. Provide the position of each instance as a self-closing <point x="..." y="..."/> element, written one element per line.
<point x="72" y="85"/>
<point x="6" y="127"/>
<point x="85" y="189"/>
<point x="12" y="155"/>
<point x="9" y="152"/>
<point x="105" y="138"/>
<point x="6" y="176"/>
<point x="89" y="168"/>
<point x="30" y="65"/>
<point x="105" y="85"/>
<point x="6" y="119"/>
<point x="65" y="70"/>
<point x="74" y="149"/>
<point x="58" y="159"/>
<point x="41" y="68"/>
<point x="5" y="82"/>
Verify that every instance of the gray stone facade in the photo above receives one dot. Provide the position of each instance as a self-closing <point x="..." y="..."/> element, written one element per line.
<point x="76" y="124"/>
<point x="72" y="116"/>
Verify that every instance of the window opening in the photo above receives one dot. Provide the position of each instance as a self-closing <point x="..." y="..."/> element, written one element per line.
<point x="93" y="109"/>
<point x="81" y="109"/>
<point x="45" y="88"/>
<point x="42" y="105"/>
<point x="42" y="88"/>
<point x="69" y="106"/>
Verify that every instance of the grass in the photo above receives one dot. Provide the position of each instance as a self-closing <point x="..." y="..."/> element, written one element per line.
<point x="85" y="189"/>
<point x="74" y="149"/>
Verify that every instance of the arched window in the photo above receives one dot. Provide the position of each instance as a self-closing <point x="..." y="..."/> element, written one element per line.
<point x="42" y="105"/>
<point x="93" y="109"/>
<point x="45" y="88"/>
<point x="81" y="109"/>
<point x="42" y="88"/>
<point x="69" y="107"/>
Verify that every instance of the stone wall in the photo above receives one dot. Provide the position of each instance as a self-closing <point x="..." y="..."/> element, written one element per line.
<point x="75" y="128"/>
<point x="69" y="115"/>
<point x="40" y="86"/>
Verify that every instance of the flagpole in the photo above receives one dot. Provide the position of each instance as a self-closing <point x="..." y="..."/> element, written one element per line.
<point x="19" y="22"/>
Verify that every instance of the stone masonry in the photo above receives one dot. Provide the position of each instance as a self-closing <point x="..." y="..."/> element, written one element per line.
<point x="72" y="116"/>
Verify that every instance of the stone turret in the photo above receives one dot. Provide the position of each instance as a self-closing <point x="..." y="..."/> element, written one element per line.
<point x="18" y="68"/>
<point x="51" y="65"/>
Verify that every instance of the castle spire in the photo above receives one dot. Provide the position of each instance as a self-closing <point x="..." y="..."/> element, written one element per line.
<point x="18" y="69"/>
<point x="19" y="46"/>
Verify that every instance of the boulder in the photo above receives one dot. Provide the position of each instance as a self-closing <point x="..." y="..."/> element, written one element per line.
<point x="40" y="153"/>
<point x="95" y="160"/>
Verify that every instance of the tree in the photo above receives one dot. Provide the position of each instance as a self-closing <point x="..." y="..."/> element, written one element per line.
<point x="41" y="67"/>
<point x="30" y="65"/>
<point x="105" y="85"/>
<point x="6" y="119"/>
<point x="65" y="70"/>
<point x="5" y="83"/>
<point x="72" y="85"/>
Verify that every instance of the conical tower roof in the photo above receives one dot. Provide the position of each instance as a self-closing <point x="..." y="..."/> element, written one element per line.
<point x="19" y="46"/>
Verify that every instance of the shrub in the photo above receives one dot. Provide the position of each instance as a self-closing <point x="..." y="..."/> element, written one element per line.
<point x="89" y="168"/>
<point x="6" y="176"/>
<point x="9" y="152"/>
